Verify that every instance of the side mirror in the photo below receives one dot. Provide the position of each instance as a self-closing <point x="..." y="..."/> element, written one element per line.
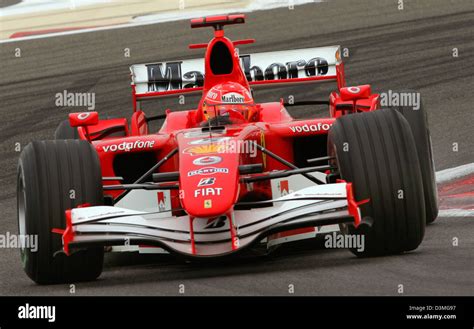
<point x="354" y="93"/>
<point x="83" y="119"/>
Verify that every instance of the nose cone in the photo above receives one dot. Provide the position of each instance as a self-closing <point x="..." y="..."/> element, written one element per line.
<point x="209" y="177"/>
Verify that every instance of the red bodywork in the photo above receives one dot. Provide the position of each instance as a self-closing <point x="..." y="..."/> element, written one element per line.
<point x="273" y="127"/>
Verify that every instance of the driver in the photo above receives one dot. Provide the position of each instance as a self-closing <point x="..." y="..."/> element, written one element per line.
<point x="228" y="103"/>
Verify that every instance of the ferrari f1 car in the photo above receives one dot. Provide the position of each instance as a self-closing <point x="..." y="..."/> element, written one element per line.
<point x="229" y="174"/>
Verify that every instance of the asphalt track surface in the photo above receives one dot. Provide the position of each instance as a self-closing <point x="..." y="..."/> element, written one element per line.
<point x="390" y="49"/>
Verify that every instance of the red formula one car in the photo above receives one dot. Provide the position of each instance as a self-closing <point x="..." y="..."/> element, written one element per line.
<point x="229" y="174"/>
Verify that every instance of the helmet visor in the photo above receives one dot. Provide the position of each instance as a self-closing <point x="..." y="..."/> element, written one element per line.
<point x="227" y="113"/>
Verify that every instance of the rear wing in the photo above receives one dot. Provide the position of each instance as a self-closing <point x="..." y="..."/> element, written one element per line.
<point x="261" y="69"/>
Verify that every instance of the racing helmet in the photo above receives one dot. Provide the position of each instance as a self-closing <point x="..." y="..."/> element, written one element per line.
<point x="228" y="103"/>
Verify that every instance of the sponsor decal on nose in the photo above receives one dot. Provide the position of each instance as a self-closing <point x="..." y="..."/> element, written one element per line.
<point x="207" y="160"/>
<point x="208" y="191"/>
<point x="207" y="181"/>
<point x="204" y="149"/>
<point x="210" y="140"/>
<point x="208" y="171"/>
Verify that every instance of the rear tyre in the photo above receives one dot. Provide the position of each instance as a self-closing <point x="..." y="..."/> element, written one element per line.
<point x="418" y="121"/>
<point x="54" y="176"/>
<point x="376" y="152"/>
<point x="65" y="131"/>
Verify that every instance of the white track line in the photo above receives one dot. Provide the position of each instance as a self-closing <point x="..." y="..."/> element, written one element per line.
<point x="37" y="6"/>
<point x="450" y="174"/>
<point x="456" y="213"/>
<point x="254" y="6"/>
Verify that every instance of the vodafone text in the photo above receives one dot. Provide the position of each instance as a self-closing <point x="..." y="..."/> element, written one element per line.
<point x="128" y="146"/>
<point x="310" y="127"/>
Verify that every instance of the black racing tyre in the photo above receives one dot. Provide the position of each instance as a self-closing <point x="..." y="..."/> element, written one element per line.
<point x="418" y="120"/>
<point x="65" y="131"/>
<point x="54" y="176"/>
<point x="376" y="152"/>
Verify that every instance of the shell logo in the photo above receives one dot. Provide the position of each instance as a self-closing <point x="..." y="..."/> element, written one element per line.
<point x="205" y="149"/>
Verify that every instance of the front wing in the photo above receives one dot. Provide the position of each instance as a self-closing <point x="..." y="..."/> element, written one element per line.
<point x="203" y="237"/>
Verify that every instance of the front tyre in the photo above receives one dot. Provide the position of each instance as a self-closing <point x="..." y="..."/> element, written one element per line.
<point x="418" y="120"/>
<point x="376" y="152"/>
<point x="54" y="176"/>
